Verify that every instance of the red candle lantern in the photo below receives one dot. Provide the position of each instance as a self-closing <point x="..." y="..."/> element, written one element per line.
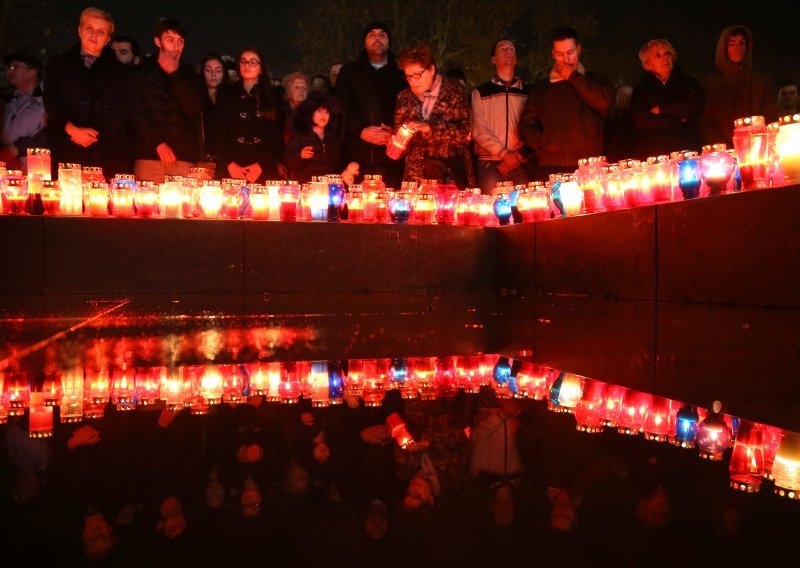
<point x="15" y="193"/>
<point x="97" y="198"/>
<point x="656" y="423"/>
<point x="173" y="391"/>
<point x="289" y="194"/>
<point x="587" y="411"/>
<point x="659" y="173"/>
<point x="445" y="196"/>
<point x="319" y="384"/>
<point x="147" y="384"/>
<point x="72" y="389"/>
<point x="211" y="199"/>
<point x="772" y="437"/>
<point x="289" y="389"/>
<point x="614" y="192"/>
<point x="635" y="406"/>
<point x="786" y="467"/>
<point x="16" y="393"/>
<point x="40" y="417"/>
<point x="565" y="392"/>
<point x="123" y="387"/>
<point x="399" y="141"/>
<point x="51" y="197"/>
<point x="232" y="198"/>
<point x="612" y="405"/>
<point x="122" y="198"/>
<point x="146" y="199"/>
<point x="355" y="204"/>
<point x="398" y="430"/>
<point x="373" y="392"/>
<point x="787" y="141"/>
<point x="70" y="180"/>
<point x="98" y="385"/>
<point x="746" y="467"/>
<point x="423" y="208"/>
<point x="751" y="145"/>
<point x="51" y="389"/>
<point x="354" y="380"/>
<point x="589" y="179"/>
<point x="260" y="202"/>
<point x="233" y="384"/>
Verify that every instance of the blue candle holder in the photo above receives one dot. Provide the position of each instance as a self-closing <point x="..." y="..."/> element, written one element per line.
<point x="689" y="178"/>
<point x="335" y="200"/>
<point x="399" y="209"/>
<point x="502" y="209"/>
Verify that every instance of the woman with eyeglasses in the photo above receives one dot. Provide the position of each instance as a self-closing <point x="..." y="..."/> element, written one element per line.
<point x="251" y="144"/>
<point x="436" y="108"/>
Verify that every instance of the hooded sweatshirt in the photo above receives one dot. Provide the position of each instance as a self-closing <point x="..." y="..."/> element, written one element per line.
<point x="734" y="91"/>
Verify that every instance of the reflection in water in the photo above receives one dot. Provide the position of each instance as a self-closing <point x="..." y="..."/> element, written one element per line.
<point x="378" y="460"/>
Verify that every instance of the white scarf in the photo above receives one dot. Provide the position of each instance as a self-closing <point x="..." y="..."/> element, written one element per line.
<point x="430" y="97"/>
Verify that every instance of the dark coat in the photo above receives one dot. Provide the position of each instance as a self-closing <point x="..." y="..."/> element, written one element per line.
<point x="99" y="97"/>
<point x="735" y="91"/>
<point x="248" y="135"/>
<point x="563" y="121"/>
<point x="167" y="108"/>
<point x="680" y="101"/>
<point x="327" y="157"/>
<point x="368" y="97"/>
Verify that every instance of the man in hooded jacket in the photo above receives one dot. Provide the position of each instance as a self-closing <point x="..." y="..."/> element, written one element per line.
<point x="735" y="90"/>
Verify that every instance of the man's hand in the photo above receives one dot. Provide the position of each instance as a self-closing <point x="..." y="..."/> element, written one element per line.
<point x="307" y="152"/>
<point x="252" y="172"/>
<point x="564" y="70"/>
<point x="83" y="436"/>
<point x="236" y="171"/>
<point x="165" y="153"/>
<point x="510" y="161"/>
<point x="82" y="136"/>
<point x="378" y="135"/>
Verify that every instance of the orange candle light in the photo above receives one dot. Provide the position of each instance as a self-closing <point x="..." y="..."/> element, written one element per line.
<point x="96" y="195"/>
<point x="260" y="203"/>
<point x="70" y="180"/>
<point x="51" y="197"/>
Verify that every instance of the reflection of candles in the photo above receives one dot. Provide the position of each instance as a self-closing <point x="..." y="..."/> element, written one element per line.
<point x="71" y="409"/>
<point x="786" y="467"/>
<point x="40" y="417"/>
<point x="746" y="466"/>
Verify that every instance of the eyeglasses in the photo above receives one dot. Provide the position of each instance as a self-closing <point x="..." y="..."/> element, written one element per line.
<point x="15" y="66"/>
<point x="249" y="62"/>
<point x="417" y="76"/>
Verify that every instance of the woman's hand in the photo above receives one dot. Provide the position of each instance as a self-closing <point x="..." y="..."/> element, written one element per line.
<point x="418" y="126"/>
<point x="236" y="171"/>
<point x="307" y="152"/>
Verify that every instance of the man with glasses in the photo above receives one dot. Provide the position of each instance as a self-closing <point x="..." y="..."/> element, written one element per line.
<point x="367" y="89"/>
<point x="88" y="100"/>
<point x="23" y="114"/>
<point x="562" y="120"/>
<point x="167" y="106"/>
<point x="496" y="108"/>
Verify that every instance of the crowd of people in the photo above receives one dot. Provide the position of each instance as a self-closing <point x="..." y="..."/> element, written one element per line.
<point x="465" y="478"/>
<point x="103" y="103"/>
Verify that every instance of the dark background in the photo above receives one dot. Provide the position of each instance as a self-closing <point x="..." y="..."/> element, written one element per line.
<point x="312" y="34"/>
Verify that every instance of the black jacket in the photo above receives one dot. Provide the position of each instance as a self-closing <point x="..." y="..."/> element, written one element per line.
<point x="247" y="135"/>
<point x="368" y="98"/>
<point x="99" y="97"/>
<point x="680" y="101"/>
<point x="167" y="108"/>
<point x="327" y="157"/>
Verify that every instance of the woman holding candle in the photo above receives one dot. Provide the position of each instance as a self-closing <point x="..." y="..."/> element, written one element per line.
<point x="436" y="108"/>
<point x="666" y="104"/>
<point x="250" y="136"/>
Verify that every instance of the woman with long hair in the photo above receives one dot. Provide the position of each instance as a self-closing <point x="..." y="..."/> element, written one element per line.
<point x="252" y="143"/>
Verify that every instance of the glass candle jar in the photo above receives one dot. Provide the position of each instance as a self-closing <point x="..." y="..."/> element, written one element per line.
<point x="400" y="207"/>
<point x="423" y="208"/>
<point x="445" y="196"/>
<point x="51" y="196"/>
<point x="399" y="142"/>
<point x="751" y="146"/>
<point x="787" y="142"/>
<point x="122" y="198"/>
<point x="97" y="198"/>
<point x="354" y="201"/>
<point x="15" y="193"/>
<point x="716" y="168"/>
<point x="288" y="193"/>
<point x="589" y="180"/>
<point x="146" y="199"/>
<point x="170" y="198"/>
<point x="689" y="180"/>
<point x="659" y="174"/>
<point x="70" y="179"/>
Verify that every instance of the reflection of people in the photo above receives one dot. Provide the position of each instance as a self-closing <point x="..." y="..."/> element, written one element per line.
<point x="666" y="104"/>
<point x="98" y="537"/>
<point x="436" y="108"/>
<point x="562" y="121"/>
<point x="734" y="90"/>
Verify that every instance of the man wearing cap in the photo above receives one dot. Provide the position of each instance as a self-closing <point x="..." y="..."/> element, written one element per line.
<point x="23" y="114"/>
<point x="496" y="107"/>
<point x="88" y="100"/>
<point x="367" y="89"/>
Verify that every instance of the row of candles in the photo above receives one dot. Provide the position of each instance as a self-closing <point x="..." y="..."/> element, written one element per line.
<point x="758" y="451"/>
<point x="764" y="155"/>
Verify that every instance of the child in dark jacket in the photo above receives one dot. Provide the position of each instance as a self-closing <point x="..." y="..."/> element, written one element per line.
<point x="315" y="143"/>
